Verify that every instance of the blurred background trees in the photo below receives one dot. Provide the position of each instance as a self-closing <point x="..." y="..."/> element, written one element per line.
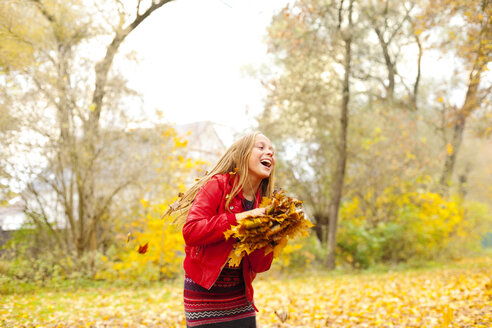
<point x="70" y="152"/>
<point x="349" y="85"/>
<point x="390" y="154"/>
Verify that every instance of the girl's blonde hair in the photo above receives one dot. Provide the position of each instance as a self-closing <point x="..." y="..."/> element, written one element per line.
<point x="235" y="160"/>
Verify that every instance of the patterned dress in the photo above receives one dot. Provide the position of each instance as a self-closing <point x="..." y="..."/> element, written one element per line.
<point x="224" y="305"/>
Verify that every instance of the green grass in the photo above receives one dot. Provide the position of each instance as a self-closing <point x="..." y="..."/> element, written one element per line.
<point x="11" y="286"/>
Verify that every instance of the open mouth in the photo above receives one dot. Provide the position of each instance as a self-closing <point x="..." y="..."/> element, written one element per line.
<point x="266" y="162"/>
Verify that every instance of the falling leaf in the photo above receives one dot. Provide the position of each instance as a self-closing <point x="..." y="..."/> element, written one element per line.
<point x="282" y="315"/>
<point x="128" y="238"/>
<point x="143" y="249"/>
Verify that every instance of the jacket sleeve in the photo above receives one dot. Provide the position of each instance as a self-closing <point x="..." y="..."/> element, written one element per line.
<point x="203" y="225"/>
<point x="260" y="262"/>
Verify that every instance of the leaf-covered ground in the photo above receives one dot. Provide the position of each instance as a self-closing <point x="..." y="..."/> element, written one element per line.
<point x="446" y="297"/>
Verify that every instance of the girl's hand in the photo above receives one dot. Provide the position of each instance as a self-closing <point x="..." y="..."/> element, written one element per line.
<point x="254" y="212"/>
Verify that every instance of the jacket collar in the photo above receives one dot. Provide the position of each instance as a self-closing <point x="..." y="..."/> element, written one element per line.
<point x="240" y="194"/>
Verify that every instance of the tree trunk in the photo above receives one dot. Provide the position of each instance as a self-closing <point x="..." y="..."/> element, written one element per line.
<point x="470" y="104"/>
<point x="390" y="88"/>
<point x="450" y="160"/>
<point x="88" y="215"/>
<point x="342" y="148"/>
<point x="321" y="227"/>
<point x="417" y="78"/>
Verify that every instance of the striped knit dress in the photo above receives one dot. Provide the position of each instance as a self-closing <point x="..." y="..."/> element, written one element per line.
<point x="224" y="305"/>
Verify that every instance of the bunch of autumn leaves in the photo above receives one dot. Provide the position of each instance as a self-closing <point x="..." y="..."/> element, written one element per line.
<point x="283" y="219"/>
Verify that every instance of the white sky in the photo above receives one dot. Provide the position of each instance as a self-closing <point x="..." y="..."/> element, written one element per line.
<point x="192" y="55"/>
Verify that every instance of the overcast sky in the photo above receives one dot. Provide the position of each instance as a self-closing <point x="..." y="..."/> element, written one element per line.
<point x="192" y="56"/>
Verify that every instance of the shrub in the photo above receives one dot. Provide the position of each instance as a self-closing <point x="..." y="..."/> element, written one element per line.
<point x="423" y="226"/>
<point x="164" y="254"/>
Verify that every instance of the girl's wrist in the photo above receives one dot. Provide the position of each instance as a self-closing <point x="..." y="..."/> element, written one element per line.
<point x="239" y="216"/>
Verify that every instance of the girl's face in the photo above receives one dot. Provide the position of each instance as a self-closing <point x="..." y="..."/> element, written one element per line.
<point x="261" y="160"/>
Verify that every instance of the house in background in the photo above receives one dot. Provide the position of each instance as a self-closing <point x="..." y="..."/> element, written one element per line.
<point x="11" y="218"/>
<point x="12" y="215"/>
<point x="206" y="141"/>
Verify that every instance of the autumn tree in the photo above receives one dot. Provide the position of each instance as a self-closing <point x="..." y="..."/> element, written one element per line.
<point x="72" y="153"/>
<point x="337" y="60"/>
<point x="466" y="32"/>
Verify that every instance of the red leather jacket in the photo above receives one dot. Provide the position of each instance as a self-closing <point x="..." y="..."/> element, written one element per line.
<point x="206" y="249"/>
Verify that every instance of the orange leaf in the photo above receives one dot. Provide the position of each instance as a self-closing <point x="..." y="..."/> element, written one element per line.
<point x="143" y="249"/>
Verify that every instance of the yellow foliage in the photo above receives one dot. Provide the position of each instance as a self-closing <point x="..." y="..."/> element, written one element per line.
<point x="403" y="226"/>
<point x="180" y="143"/>
<point x="161" y="260"/>
<point x="17" y="35"/>
<point x="286" y="254"/>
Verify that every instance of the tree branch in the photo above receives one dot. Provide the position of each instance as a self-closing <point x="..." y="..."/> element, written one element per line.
<point x="44" y="11"/>
<point x="419" y="67"/>
<point x="96" y="217"/>
<point x="102" y="67"/>
<point x="44" y="216"/>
